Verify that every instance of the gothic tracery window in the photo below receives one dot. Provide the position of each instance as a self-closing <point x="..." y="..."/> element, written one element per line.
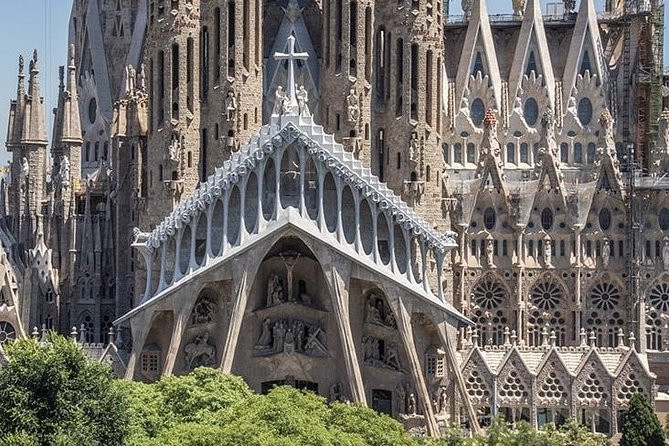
<point x="605" y="315"/>
<point x="546" y="312"/>
<point x="490" y="314"/>
<point x="489" y="218"/>
<point x="7" y="332"/>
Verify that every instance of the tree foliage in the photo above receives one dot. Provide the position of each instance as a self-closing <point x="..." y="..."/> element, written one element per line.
<point x="641" y="426"/>
<point x="54" y="395"/>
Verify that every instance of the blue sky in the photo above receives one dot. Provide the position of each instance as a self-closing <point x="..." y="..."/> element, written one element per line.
<point x="42" y="24"/>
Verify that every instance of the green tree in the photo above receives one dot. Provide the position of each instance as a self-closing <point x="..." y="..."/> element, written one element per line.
<point x="54" y="395"/>
<point x="641" y="426"/>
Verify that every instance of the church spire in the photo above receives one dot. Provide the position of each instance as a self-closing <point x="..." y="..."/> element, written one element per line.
<point x="71" y="130"/>
<point x="17" y="110"/>
<point x="34" y="130"/>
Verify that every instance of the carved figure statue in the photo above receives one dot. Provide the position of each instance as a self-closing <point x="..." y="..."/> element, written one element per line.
<point x="130" y="77"/>
<point x="389" y="320"/>
<point x="441" y="400"/>
<point x="289" y="342"/>
<point x="665" y="254"/>
<point x="518" y="7"/>
<point x="518" y="107"/>
<point x="174" y="149"/>
<point x="274" y="290"/>
<point x="466" y="7"/>
<point x="569" y="6"/>
<point x="230" y="106"/>
<point x="203" y="312"/>
<point x="391" y="357"/>
<point x="302" y="99"/>
<point x="411" y="404"/>
<point x="606" y="253"/>
<point x="548" y="252"/>
<point x="279" y="99"/>
<point x="373" y="315"/>
<point x="400" y="393"/>
<point x="413" y="147"/>
<point x="278" y="336"/>
<point x="371" y="350"/>
<point x="199" y="352"/>
<point x="490" y="252"/>
<point x="64" y="170"/>
<point x="336" y="391"/>
<point x="142" y="77"/>
<point x="265" y="339"/>
<point x="353" y="106"/>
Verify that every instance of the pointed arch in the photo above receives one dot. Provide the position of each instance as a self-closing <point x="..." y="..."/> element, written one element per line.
<point x="548" y="303"/>
<point x="605" y="312"/>
<point x="490" y="303"/>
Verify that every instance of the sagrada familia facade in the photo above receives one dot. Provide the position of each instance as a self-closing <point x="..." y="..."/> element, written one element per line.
<point x="446" y="218"/>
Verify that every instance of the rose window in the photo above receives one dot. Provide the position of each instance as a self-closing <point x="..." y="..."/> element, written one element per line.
<point x="546" y="295"/>
<point x="489" y="294"/>
<point x="605" y="296"/>
<point x="659" y="297"/>
<point x="7" y="332"/>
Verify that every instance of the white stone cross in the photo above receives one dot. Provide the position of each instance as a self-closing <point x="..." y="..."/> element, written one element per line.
<point x="291" y="57"/>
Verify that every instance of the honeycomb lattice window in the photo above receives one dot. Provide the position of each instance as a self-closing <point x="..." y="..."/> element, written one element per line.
<point x="552" y="389"/>
<point x="476" y="386"/>
<point x="592" y="390"/>
<point x="629" y="387"/>
<point x="513" y="387"/>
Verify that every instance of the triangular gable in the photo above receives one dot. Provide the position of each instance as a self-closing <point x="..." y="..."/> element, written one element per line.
<point x="514" y="380"/>
<point x="590" y="360"/>
<point x="584" y="50"/>
<point x="532" y="51"/>
<point x="479" y="49"/>
<point x="552" y="360"/>
<point x="633" y="357"/>
<point x="490" y="161"/>
<point x="553" y="379"/>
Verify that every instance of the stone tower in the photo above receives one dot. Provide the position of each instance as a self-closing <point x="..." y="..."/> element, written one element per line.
<point x="230" y="78"/>
<point x="26" y="139"/>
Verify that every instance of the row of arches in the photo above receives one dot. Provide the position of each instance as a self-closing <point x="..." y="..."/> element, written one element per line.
<point x="290" y="178"/>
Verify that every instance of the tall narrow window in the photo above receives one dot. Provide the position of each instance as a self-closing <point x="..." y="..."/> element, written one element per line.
<point x="231" y="39"/>
<point x="338" y="29"/>
<point x="457" y="153"/>
<point x="175" y="81"/>
<point x="585" y="63"/>
<point x="471" y="153"/>
<point x="414" y="81"/>
<point x="353" y="23"/>
<point x="399" y="61"/>
<point x="246" y="30"/>
<point x="428" y="88"/>
<point x="399" y="160"/>
<point x="478" y="65"/>
<point x="590" y="154"/>
<point x="204" y="63"/>
<point x="524" y="153"/>
<point x="380" y="60"/>
<point x="380" y="152"/>
<point x="217" y="44"/>
<point x="531" y="65"/>
<point x="578" y="153"/>
<point x="368" y="43"/>
<point x="258" y="22"/>
<point x="160" y="100"/>
<point x="511" y="153"/>
<point x="203" y="155"/>
<point x="189" y="73"/>
<point x="564" y="152"/>
<point x="152" y="93"/>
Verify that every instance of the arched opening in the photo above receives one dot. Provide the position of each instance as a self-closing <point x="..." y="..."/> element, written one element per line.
<point x="290" y="178"/>
<point x="170" y="258"/>
<point x="311" y="188"/>
<point x="382" y="238"/>
<point x="251" y="203"/>
<point x="416" y="260"/>
<point x="269" y="189"/>
<point x="330" y="202"/>
<point x="400" y="248"/>
<point x="184" y="249"/>
<point x="217" y="228"/>
<point x="348" y="215"/>
<point x="234" y="217"/>
<point x="201" y="239"/>
<point x="366" y="229"/>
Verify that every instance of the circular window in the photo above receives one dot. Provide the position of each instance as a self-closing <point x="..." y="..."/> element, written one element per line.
<point x="664" y="219"/>
<point x="7" y="332"/>
<point x="585" y="111"/>
<point x="546" y="295"/>
<point x="92" y="110"/>
<point x="478" y="111"/>
<point x="546" y="219"/>
<point x="605" y="296"/>
<point x="489" y="294"/>
<point x="531" y="111"/>
<point x="605" y="219"/>
<point x="489" y="218"/>
<point x="659" y="297"/>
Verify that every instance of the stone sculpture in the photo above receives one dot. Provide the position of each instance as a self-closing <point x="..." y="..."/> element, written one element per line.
<point x="548" y="252"/>
<point x="353" y="106"/>
<point x="64" y="170"/>
<point x="230" y="106"/>
<point x="302" y="99"/>
<point x="665" y="254"/>
<point x="199" y="352"/>
<point x="279" y="99"/>
<point x="275" y="293"/>
<point x="290" y="336"/>
<point x="606" y="253"/>
<point x="174" y="149"/>
<point x="203" y="312"/>
<point x="411" y="404"/>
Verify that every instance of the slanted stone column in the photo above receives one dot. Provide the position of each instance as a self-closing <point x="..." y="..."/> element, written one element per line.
<point x="415" y="369"/>
<point x="442" y="330"/>
<point x="180" y="321"/>
<point x="338" y="287"/>
<point x="139" y="327"/>
<point x="242" y="286"/>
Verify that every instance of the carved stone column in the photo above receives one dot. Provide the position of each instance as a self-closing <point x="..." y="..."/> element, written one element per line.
<point x="340" y="302"/>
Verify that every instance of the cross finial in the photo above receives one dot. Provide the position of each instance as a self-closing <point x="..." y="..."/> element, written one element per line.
<point x="291" y="56"/>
